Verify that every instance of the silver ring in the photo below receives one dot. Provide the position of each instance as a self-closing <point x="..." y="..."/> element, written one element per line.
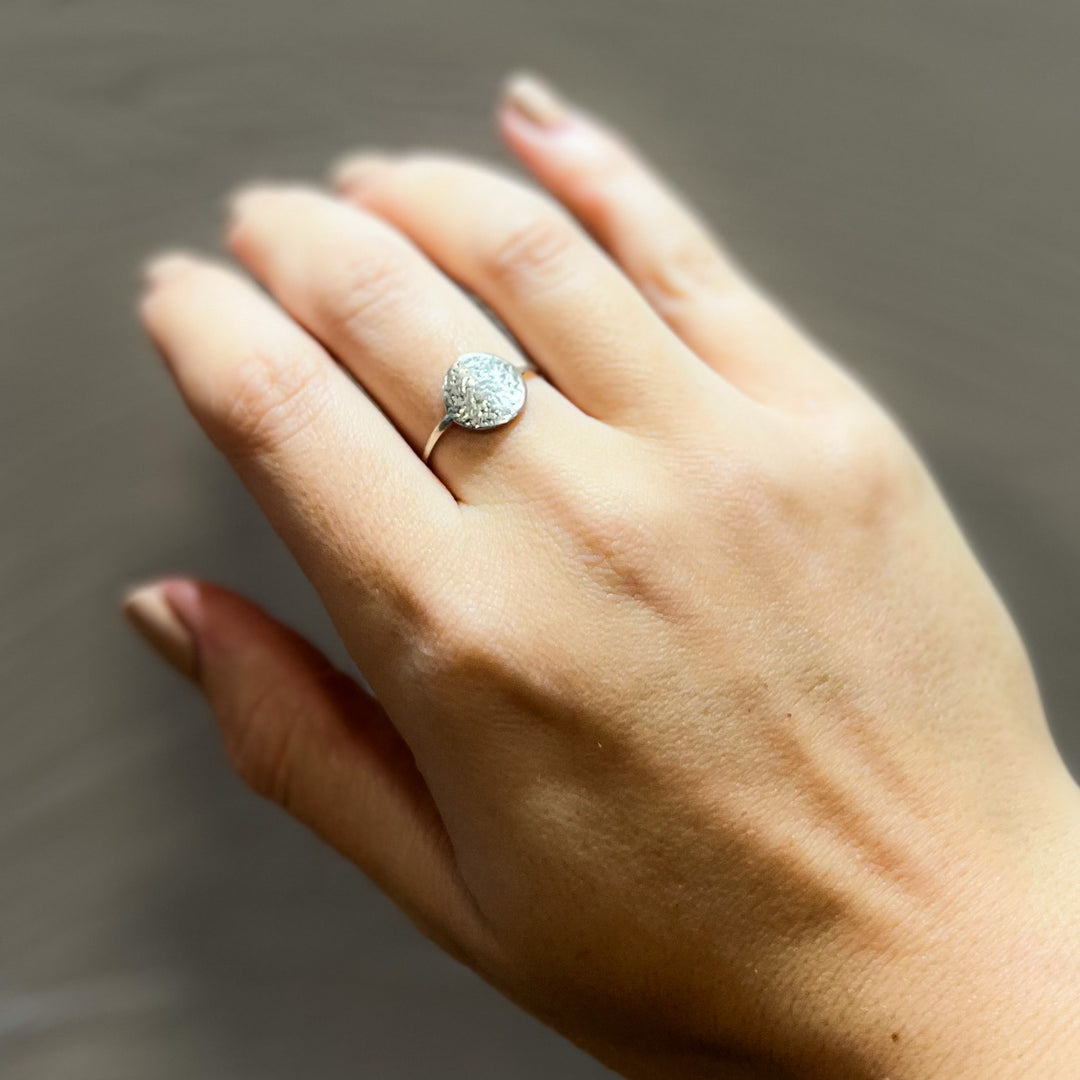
<point x="480" y="391"/>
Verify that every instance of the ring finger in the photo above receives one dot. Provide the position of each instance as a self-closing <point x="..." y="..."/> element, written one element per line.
<point x="396" y="323"/>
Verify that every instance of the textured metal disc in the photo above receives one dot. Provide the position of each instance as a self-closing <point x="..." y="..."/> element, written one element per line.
<point x="483" y="391"/>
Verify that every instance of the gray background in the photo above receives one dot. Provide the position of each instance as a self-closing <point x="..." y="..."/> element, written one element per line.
<point x="905" y="175"/>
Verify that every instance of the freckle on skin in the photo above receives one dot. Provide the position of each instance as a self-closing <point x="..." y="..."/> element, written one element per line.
<point x="896" y="1036"/>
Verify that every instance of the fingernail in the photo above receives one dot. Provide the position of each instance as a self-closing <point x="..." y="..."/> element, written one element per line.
<point x="237" y="202"/>
<point x="165" y="265"/>
<point x="240" y="201"/>
<point x="358" y="170"/>
<point x="533" y="99"/>
<point x="147" y="608"/>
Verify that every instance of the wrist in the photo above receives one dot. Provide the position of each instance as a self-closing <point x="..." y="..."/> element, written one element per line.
<point x="985" y="981"/>
<point x="996" y="990"/>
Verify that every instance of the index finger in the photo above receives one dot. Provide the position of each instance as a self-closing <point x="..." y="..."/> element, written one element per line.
<point x="368" y="522"/>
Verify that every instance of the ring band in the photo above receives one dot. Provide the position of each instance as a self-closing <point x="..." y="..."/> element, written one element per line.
<point x="480" y="391"/>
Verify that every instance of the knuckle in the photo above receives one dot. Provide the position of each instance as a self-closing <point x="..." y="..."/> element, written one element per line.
<point x="453" y="646"/>
<point x="618" y="527"/>
<point x="462" y="636"/>
<point x="868" y="463"/>
<point x="268" y="397"/>
<point x="363" y="289"/>
<point x="618" y="518"/>
<point x="532" y="248"/>
<point x="684" y="269"/>
<point x="752" y="491"/>
<point x="259" y="746"/>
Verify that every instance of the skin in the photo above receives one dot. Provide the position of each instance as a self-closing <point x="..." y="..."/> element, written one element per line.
<point x="697" y="729"/>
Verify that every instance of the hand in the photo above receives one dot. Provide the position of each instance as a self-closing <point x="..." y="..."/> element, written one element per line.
<point x="697" y="729"/>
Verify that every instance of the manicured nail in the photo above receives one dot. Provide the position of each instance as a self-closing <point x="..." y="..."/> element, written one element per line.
<point x="533" y="99"/>
<point x="147" y="608"/>
<point x="358" y="170"/>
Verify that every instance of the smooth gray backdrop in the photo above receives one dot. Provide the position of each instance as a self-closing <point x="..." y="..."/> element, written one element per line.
<point x="904" y="175"/>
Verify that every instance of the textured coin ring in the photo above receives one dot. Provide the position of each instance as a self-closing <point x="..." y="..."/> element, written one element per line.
<point x="480" y="391"/>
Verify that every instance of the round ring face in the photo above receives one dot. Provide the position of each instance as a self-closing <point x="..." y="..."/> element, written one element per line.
<point x="483" y="391"/>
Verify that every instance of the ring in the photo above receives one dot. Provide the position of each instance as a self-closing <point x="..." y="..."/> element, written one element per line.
<point x="480" y="391"/>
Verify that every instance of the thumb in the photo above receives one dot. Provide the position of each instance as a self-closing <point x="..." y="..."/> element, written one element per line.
<point x="307" y="736"/>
